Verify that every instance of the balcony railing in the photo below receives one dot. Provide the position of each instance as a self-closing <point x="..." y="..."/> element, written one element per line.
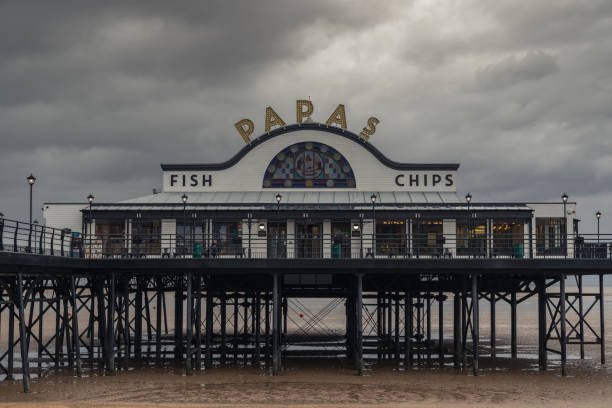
<point x="21" y="237"/>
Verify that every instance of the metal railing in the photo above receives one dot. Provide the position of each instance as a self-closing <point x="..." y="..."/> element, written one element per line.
<point x="38" y="239"/>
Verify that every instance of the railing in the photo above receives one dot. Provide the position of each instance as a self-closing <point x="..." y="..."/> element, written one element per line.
<point x="41" y="240"/>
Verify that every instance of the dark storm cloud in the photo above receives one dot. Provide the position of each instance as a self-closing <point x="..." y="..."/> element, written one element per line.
<point x="94" y="95"/>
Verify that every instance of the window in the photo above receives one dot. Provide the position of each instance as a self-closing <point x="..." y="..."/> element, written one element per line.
<point x="508" y="238"/>
<point x="391" y="237"/>
<point x="550" y="236"/>
<point x="471" y="241"/>
<point x="427" y="238"/>
<point x="112" y="235"/>
<point x="227" y="238"/>
<point x="146" y="237"/>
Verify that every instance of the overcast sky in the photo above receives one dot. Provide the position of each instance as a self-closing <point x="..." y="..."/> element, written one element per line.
<point x="94" y="95"/>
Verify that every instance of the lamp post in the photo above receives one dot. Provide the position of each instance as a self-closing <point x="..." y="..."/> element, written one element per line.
<point x="279" y="197"/>
<point x="468" y="199"/>
<point x="90" y="199"/>
<point x="184" y="198"/>
<point x="31" y="180"/>
<point x="598" y="215"/>
<point x="564" y="198"/>
<point x="373" y="198"/>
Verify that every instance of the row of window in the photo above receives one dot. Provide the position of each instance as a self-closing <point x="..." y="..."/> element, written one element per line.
<point x="507" y="237"/>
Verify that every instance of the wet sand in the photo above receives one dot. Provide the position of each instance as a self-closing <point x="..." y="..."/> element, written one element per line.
<point x="502" y="382"/>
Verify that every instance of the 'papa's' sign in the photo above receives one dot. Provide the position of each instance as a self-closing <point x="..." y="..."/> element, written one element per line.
<point x="303" y="110"/>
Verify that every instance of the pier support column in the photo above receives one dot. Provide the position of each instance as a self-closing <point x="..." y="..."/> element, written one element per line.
<point x="563" y="326"/>
<point x="359" y="323"/>
<point x="581" y="317"/>
<point x="189" y="322"/>
<point x="22" y="337"/>
<point x="111" y="325"/>
<point x="475" y="325"/>
<point x="75" y="327"/>
<point x="158" y="324"/>
<point x="542" y="354"/>
<point x="441" y="299"/>
<point x="493" y="334"/>
<point x="178" y="319"/>
<point x="457" y="330"/>
<point x="464" y="322"/>
<point x="198" y="322"/>
<point x="276" y="315"/>
<point x="209" y="327"/>
<point x="137" y="318"/>
<point x="257" y="304"/>
<point x="513" y="349"/>
<point x="408" y="330"/>
<point x="223" y="326"/>
<point x="602" y="325"/>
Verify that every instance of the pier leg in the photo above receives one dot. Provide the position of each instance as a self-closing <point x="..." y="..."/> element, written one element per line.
<point x="257" y="355"/>
<point x="198" y="323"/>
<point x="602" y="326"/>
<point x="563" y="327"/>
<point x="463" y="322"/>
<point x="275" y="326"/>
<point x="581" y="312"/>
<point x="475" y="325"/>
<point x="178" y="319"/>
<point x="11" y="342"/>
<point x="189" y="323"/>
<point x="235" y="339"/>
<point x="223" y="327"/>
<point x="542" y="324"/>
<point x="397" y="327"/>
<point x="22" y="337"/>
<point x="379" y="326"/>
<point x="441" y="328"/>
<point x="408" y="330"/>
<point x="493" y="334"/>
<point x="111" y="326"/>
<point x="513" y="346"/>
<point x="359" y="323"/>
<point x="428" y="300"/>
<point x="158" y="323"/>
<point x="137" y="319"/>
<point x="267" y="327"/>
<point x="209" y="327"/>
<point x="40" y="324"/>
<point x="457" y="330"/>
<point x="75" y="327"/>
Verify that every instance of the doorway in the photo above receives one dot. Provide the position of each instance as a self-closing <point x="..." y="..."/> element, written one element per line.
<point x="309" y="242"/>
<point x="277" y="239"/>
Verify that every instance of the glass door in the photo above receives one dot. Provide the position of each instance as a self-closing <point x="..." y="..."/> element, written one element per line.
<point x="309" y="242"/>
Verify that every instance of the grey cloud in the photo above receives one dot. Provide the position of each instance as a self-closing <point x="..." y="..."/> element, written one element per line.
<point x="513" y="70"/>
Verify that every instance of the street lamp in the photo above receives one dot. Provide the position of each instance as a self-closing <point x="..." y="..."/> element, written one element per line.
<point x="31" y="180"/>
<point x="373" y="198"/>
<point x="279" y="197"/>
<point x="564" y="198"/>
<point x="598" y="215"/>
<point x="90" y="199"/>
<point x="184" y="198"/>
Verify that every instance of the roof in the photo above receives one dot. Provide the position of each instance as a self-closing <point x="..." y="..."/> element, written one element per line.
<point x="310" y="126"/>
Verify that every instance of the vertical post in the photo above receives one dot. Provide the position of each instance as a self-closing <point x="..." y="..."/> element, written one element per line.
<point x="189" y="323"/>
<point x="563" y="328"/>
<point x="441" y="328"/>
<point x="602" y="326"/>
<point x="475" y="326"/>
<point x="178" y="319"/>
<point x="198" y="322"/>
<point x="396" y="323"/>
<point x="137" y="319"/>
<point x="542" y="324"/>
<point x="359" y="323"/>
<point x="513" y="330"/>
<point x="408" y="330"/>
<point x="235" y="338"/>
<point x="111" y="326"/>
<point x="209" y="325"/>
<point x="11" y="341"/>
<point x="22" y="335"/>
<point x="75" y="327"/>
<point x="275" y="325"/>
<point x="158" y="324"/>
<point x="457" y="329"/>
<point x="493" y="334"/>
<point x="257" y="329"/>
<point x="267" y="326"/>
<point x="581" y="317"/>
<point x="463" y="321"/>
<point x="223" y="325"/>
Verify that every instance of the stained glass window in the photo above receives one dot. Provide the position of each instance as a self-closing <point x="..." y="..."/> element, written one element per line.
<point x="309" y="165"/>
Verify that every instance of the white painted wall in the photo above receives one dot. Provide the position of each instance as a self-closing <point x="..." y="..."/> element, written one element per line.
<point x="248" y="173"/>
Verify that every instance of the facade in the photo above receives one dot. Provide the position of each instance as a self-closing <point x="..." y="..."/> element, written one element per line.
<point x="313" y="190"/>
